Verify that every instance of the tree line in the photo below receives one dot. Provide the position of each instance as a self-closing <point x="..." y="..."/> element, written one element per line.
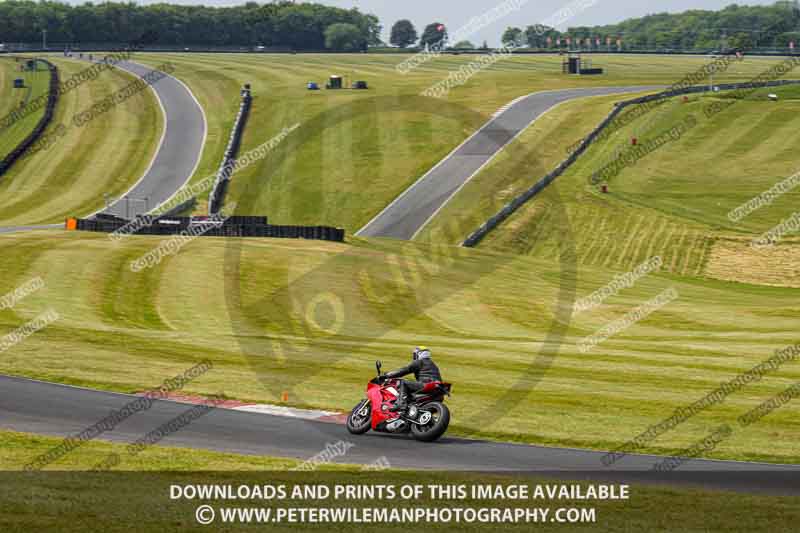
<point x="734" y="27"/>
<point x="280" y="24"/>
<point x="308" y="26"/>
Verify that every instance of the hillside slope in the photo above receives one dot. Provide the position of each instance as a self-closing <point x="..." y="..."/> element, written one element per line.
<point x="105" y="156"/>
<point x="310" y="318"/>
<point x="675" y="201"/>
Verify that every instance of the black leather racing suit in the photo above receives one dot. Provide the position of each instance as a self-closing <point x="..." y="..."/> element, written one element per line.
<point x="424" y="370"/>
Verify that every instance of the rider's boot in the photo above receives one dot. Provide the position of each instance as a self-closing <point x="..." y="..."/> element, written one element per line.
<point x="399" y="405"/>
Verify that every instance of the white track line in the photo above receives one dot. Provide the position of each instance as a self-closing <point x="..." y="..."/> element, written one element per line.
<point x="437" y="165"/>
<point x="495" y="116"/>
<point x="202" y="147"/>
<point x="78" y="387"/>
<point x="163" y="136"/>
<point x="523" y="130"/>
<point x="479" y="169"/>
<point x="160" y="142"/>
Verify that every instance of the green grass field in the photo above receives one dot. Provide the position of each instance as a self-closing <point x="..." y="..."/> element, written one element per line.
<point x="357" y="150"/>
<point x="107" y="156"/>
<point x="497" y="316"/>
<point x="674" y="202"/>
<point x="19" y="448"/>
<point x="11" y="99"/>
<point x="74" y="500"/>
<point x="488" y="316"/>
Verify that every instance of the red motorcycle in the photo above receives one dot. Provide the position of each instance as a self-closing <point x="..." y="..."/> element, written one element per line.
<point x="426" y="416"/>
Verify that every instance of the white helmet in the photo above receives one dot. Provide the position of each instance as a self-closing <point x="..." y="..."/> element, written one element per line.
<point x="421" y="352"/>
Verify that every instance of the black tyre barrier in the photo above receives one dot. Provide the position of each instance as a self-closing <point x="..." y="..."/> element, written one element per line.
<point x="235" y="226"/>
<point x="217" y="195"/>
<point x="106" y="217"/>
<point x="479" y="234"/>
<point x="38" y="130"/>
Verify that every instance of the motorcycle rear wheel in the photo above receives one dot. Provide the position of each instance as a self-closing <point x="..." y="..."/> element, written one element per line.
<point x="440" y="419"/>
<point x="358" y="424"/>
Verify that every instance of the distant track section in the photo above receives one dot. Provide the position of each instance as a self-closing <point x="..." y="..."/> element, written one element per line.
<point x="178" y="153"/>
<point x="405" y="217"/>
<point x="479" y="234"/>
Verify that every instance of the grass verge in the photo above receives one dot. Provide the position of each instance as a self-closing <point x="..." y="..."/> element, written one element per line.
<point x="106" y="156"/>
<point x="310" y="318"/>
<point x="141" y="501"/>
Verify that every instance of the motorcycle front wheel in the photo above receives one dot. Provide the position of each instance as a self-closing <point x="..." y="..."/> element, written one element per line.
<point x="439" y="419"/>
<point x="359" y="420"/>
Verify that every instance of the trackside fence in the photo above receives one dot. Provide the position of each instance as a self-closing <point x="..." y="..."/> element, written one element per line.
<point x="217" y="195"/>
<point x="234" y="226"/>
<point x="36" y="133"/>
<point x="479" y="234"/>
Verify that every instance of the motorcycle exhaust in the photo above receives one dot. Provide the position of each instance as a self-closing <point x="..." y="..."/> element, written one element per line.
<point x="395" y="425"/>
<point x="424" y="418"/>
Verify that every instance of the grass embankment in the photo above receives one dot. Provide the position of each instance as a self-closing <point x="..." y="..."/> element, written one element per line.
<point x="527" y="159"/>
<point x="11" y="99"/>
<point x="360" y="149"/>
<point x="675" y="201"/>
<point x="487" y="316"/>
<point x="106" y="156"/>
<point x="487" y="313"/>
<point x="77" y="501"/>
<point x="20" y="448"/>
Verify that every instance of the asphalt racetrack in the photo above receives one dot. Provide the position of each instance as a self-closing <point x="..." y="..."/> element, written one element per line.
<point x="17" y="229"/>
<point x="178" y="153"/>
<point x="61" y="410"/>
<point x="176" y="158"/>
<point x="412" y="210"/>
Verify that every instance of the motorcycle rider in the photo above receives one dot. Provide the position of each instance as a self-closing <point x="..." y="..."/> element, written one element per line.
<point x="424" y="370"/>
